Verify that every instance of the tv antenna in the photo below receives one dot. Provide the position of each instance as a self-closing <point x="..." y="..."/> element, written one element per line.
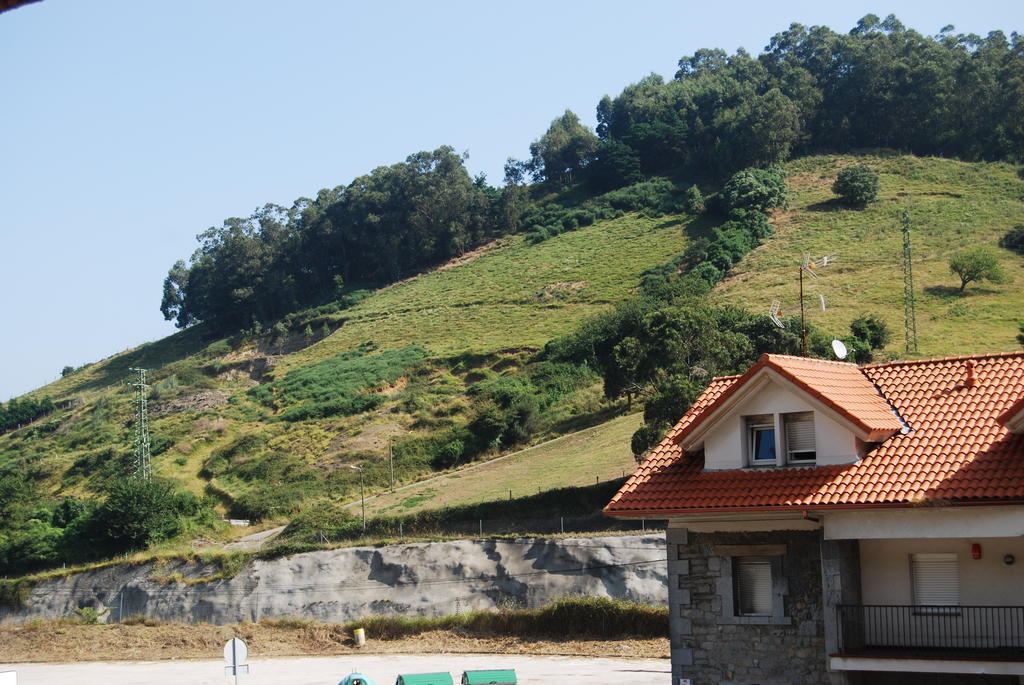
<point x="809" y="266"/>
<point x="909" y="302"/>
<point x="773" y="314"/>
<point x="142" y="465"/>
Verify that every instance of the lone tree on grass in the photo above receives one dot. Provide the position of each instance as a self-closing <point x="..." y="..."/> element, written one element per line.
<point x="977" y="264"/>
<point x="856" y="186"/>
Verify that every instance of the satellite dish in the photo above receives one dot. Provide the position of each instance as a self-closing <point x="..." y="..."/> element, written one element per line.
<point x="839" y="349"/>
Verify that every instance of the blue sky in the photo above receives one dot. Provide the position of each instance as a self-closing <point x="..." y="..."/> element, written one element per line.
<point x="127" y="127"/>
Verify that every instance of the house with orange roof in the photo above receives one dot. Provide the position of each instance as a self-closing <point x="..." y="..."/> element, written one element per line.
<point x="830" y="523"/>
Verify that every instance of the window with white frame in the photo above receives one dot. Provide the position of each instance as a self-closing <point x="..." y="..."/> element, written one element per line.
<point x="753" y="586"/>
<point x="799" y="431"/>
<point x="761" y="439"/>
<point x="935" y="579"/>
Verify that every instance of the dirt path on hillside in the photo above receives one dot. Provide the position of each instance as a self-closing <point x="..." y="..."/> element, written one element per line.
<point x="59" y="643"/>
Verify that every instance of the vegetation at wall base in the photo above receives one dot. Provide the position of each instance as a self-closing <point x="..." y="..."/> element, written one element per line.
<point x="580" y="617"/>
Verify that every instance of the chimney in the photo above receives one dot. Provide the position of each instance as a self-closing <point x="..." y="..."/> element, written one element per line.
<point x="970" y="381"/>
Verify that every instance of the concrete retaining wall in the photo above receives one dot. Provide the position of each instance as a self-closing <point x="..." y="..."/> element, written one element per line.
<point x="418" y="579"/>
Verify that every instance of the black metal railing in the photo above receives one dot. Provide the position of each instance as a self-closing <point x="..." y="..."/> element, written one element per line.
<point x="865" y="628"/>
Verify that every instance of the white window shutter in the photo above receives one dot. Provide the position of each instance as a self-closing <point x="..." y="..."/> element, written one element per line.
<point x="936" y="579"/>
<point x="800" y="432"/>
<point x="754" y="585"/>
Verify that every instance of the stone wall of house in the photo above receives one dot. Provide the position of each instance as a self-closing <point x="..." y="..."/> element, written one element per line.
<point x="712" y="646"/>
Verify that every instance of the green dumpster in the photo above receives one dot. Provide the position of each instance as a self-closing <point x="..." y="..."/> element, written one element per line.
<point x="498" y="676"/>
<point x="425" y="679"/>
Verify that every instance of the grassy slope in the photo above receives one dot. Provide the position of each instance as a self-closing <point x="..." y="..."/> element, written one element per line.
<point x="517" y="296"/>
<point x="503" y="300"/>
<point x="952" y="205"/>
<point x="599" y="453"/>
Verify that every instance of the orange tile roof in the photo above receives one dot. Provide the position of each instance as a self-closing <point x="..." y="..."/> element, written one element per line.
<point x="956" y="451"/>
<point x="839" y="385"/>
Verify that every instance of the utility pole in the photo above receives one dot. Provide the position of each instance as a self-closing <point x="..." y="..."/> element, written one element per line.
<point x="362" y="494"/>
<point x="391" y="459"/>
<point x="803" y="326"/>
<point x="909" y="300"/>
<point x="142" y="463"/>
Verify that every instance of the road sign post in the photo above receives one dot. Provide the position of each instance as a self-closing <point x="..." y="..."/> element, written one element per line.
<point x="235" y="654"/>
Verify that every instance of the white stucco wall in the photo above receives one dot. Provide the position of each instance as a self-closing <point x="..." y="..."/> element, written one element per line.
<point x="725" y="443"/>
<point x="885" y="569"/>
<point x="1001" y="521"/>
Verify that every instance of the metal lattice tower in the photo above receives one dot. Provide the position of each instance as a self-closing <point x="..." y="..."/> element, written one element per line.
<point x="142" y="465"/>
<point x="909" y="301"/>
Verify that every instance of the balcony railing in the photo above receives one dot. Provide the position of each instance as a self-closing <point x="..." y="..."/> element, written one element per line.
<point x="966" y="631"/>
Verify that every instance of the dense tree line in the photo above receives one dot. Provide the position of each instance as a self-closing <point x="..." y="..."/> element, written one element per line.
<point x="383" y="226"/>
<point x="879" y="86"/>
<point x="18" y="412"/>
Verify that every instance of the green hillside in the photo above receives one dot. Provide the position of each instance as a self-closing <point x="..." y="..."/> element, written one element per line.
<point x="582" y="458"/>
<point x="514" y="294"/>
<point x="418" y="321"/>
<point x="267" y="423"/>
<point x="951" y="204"/>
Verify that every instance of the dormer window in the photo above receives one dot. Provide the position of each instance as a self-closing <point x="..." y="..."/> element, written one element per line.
<point x="800" y="447"/>
<point x="780" y="439"/>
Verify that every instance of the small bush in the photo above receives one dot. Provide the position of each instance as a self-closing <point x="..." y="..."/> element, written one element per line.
<point x="759" y="189"/>
<point x="856" y="186"/>
<point x="657" y="196"/>
<point x="14" y="592"/>
<point x="1014" y="239"/>
<point x="646" y="437"/>
<point x="693" y="200"/>
<point x="872" y="330"/>
<point x="90" y="616"/>
<point x="141" y="620"/>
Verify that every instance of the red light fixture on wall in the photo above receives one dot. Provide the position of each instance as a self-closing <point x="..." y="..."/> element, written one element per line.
<point x="975" y="551"/>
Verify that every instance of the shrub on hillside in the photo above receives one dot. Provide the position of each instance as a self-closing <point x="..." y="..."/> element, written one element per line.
<point x="693" y="200"/>
<point x="1014" y="239"/>
<point x="136" y="513"/>
<point x="657" y="196"/>
<point x="856" y="186"/>
<point x="872" y="330"/>
<point x="759" y="189"/>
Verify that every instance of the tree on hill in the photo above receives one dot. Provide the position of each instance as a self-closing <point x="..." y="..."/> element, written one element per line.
<point x="137" y="512"/>
<point x="977" y="264"/>
<point x="567" y="146"/>
<point x="815" y="89"/>
<point x="383" y="226"/>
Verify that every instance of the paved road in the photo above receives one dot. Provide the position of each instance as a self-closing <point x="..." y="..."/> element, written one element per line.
<point x="384" y="669"/>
